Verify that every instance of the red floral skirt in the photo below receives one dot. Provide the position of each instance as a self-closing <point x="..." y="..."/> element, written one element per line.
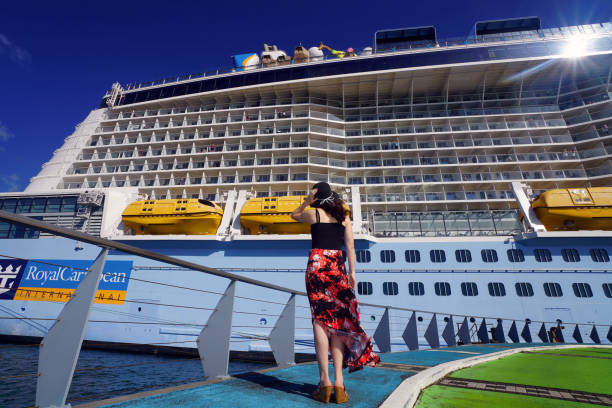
<point x="334" y="306"/>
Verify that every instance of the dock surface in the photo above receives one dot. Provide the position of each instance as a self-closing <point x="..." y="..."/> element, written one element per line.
<point x="370" y="387"/>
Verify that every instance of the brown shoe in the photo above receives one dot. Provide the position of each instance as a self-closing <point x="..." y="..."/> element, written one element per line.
<point x="322" y="394"/>
<point x="341" y="395"/>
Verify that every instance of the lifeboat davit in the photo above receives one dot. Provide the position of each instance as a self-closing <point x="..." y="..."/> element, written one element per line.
<point x="163" y="217"/>
<point x="575" y="209"/>
<point x="272" y="215"/>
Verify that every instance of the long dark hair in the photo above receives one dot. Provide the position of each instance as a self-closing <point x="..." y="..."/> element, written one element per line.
<point x="336" y="208"/>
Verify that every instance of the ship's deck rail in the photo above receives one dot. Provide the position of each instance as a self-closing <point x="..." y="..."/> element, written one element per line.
<point x="566" y="32"/>
<point x="216" y="330"/>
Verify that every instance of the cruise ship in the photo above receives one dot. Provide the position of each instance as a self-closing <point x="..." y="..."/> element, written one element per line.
<point x="438" y="146"/>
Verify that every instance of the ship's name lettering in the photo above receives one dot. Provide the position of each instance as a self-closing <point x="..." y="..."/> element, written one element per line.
<point x="54" y="274"/>
<point x="66" y="274"/>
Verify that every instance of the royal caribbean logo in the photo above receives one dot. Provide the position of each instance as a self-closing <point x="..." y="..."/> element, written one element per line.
<point x="56" y="280"/>
<point x="11" y="271"/>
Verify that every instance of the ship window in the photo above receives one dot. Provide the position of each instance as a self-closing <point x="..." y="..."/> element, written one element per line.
<point x="363" y="256"/>
<point x="497" y="289"/>
<point x="442" y="288"/>
<point x="516" y="255"/>
<point x="53" y="204"/>
<point x="390" y="288"/>
<point x="23" y="205"/>
<point x="523" y="289"/>
<point x="69" y="204"/>
<point x="607" y="288"/>
<point x="553" y="289"/>
<point x="542" y="255"/>
<point x="4" y="229"/>
<point x="412" y="256"/>
<point x="489" y="255"/>
<point x="599" y="255"/>
<point x="364" y="288"/>
<point x="463" y="255"/>
<point x="416" y="288"/>
<point x="10" y="205"/>
<point x="437" y="255"/>
<point x="582" y="289"/>
<point x="469" y="288"/>
<point x="38" y="205"/>
<point x="570" y="255"/>
<point x="387" y="256"/>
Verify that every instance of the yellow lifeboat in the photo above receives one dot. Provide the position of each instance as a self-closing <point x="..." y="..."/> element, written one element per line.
<point x="575" y="209"/>
<point x="162" y="217"/>
<point x="272" y="215"/>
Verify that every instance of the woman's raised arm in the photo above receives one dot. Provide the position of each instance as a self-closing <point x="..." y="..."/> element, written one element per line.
<point x="300" y="214"/>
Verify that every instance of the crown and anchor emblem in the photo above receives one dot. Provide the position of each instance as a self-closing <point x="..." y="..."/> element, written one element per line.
<point x="7" y="277"/>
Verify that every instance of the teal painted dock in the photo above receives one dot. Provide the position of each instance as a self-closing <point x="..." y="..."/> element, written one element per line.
<point x="292" y="386"/>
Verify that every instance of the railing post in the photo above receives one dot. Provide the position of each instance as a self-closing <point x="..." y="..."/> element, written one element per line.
<point x="513" y="333"/>
<point x="382" y="335"/>
<point x="410" y="335"/>
<point x="431" y="333"/>
<point x="448" y="334"/>
<point x="60" y="348"/>
<point x="214" y="340"/>
<point x="543" y="335"/>
<point x="594" y="335"/>
<point x="464" y="332"/>
<point x="483" y="334"/>
<point x="282" y="336"/>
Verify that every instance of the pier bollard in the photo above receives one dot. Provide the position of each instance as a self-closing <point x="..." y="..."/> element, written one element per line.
<point x="214" y="340"/>
<point x="61" y="346"/>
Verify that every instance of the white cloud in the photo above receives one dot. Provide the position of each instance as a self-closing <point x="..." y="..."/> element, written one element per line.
<point x="5" y="133"/>
<point x="14" y="52"/>
<point x="10" y="182"/>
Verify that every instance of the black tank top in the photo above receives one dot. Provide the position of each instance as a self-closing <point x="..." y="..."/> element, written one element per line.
<point x="327" y="235"/>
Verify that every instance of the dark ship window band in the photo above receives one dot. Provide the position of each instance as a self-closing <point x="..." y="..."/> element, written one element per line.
<point x="358" y="65"/>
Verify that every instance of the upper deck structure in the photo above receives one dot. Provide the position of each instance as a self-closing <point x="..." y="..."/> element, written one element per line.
<point x="420" y="124"/>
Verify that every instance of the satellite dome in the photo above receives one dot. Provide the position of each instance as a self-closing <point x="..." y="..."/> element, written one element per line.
<point x="315" y="53"/>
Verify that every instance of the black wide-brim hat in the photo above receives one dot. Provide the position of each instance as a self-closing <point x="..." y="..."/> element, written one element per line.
<point x="323" y="191"/>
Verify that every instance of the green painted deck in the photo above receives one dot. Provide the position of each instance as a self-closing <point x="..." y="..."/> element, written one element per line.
<point x="438" y="396"/>
<point x="554" y="369"/>
<point x="292" y="386"/>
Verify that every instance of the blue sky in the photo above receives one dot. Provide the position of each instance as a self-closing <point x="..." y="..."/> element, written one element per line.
<point x="57" y="59"/>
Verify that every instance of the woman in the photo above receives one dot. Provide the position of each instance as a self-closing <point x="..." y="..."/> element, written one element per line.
<point x="335" y="311"/>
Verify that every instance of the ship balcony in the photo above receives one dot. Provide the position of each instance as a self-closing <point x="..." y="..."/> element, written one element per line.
<point x="125" y="121"/>
<point x="394" y="142"/>
<point x="418" y="179"/>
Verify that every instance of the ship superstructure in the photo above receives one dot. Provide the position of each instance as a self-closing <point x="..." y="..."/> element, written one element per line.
<point x="439" y="128"/>
<point x="427" y="140"/>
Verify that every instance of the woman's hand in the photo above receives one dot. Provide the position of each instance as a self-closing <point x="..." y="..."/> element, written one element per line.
<point x="311" y="197"/>
<point x="352" y="280"/>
